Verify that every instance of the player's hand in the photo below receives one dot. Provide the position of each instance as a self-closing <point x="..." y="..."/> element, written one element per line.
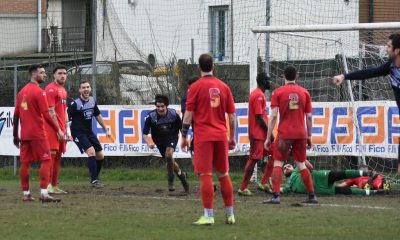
<point x="151" y="146"/>
<point x="60" y="135"/>
<point x="338" y="79"/>
<point x="309" y="143"/>
<point x="231" y="144"/>
<point x="267" y="144"/>
<point x="68" y="138"/>
<point x="184" y="144"/>
<point x="16" y="142"/>
<point x="108" y="134"/>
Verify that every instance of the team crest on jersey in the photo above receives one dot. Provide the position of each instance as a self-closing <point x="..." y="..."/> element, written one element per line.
<point x="293" y="101"/>
<point x="215" y="98"/>
<point x="24" y="104"/>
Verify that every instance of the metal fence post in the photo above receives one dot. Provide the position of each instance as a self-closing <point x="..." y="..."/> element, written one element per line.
<point x="15" y="102"/>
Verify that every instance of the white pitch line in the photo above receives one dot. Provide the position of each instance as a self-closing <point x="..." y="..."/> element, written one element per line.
<point x="320" y="204"/>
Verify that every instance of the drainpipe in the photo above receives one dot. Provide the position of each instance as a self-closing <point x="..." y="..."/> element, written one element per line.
<point x="39" y="30"/>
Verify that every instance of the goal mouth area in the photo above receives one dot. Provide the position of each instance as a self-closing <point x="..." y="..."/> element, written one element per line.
<point x="320" y="52"/>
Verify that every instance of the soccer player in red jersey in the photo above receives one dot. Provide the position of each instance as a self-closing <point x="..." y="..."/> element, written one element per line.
<point x="293" y="104"/>
<point x="208" y="101"/>
<point x="32" y="110"/>
<point x="57" y="101"/>
<point x="258" y="129"/>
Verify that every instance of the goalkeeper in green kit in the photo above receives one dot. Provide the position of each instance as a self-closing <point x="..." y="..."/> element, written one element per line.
<point x="324" y="181"/>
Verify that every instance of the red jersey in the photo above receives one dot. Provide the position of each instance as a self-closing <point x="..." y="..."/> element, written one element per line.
<point x="257" y="104"/>
<point x="210" y="99"/>
<point x="57" y="98"/>
<point x="293" y="102"/>
<point x="31" y="104"/>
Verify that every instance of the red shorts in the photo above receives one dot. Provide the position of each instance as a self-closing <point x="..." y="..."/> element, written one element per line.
<point x="34" y="150"/>
<point x="209" y="155"/>
<point x="282" y="149"/>
<point x="54" y="143"/>
<point x="257" y="150"/>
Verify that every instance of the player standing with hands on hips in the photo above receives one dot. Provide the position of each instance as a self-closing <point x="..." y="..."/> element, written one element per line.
<point x="32" y="110"/>
<point x="208" y="101"/>
<point x="391" y="68"/>
<point x="80" y="112"/>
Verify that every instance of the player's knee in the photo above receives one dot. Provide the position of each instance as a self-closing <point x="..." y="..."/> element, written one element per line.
<point x="221" y="175"/>
<point x="301" y="165"/>
<point x="100" y="155"/>
<point x="90" y="152"/>
<point x="278" y="163"/>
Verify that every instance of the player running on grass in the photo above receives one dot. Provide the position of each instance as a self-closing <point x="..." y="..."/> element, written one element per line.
<point x="80" y="112"/>
<point x="165" y="124"/>
<point x="57" y="101"/>
<point x="293" y="104"/>
<point x="32" y="110"/>
<point x="209" y="99"/>
<point x="324" y="181"/>
<point x="391" y="68"/>
<point x="258" y="129"/>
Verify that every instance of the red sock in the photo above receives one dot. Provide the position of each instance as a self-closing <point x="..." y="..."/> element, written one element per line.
<point x="276" y="179"/>
<point x="56" y="169"/>
<point x="248" y="172"/>
<point x="52" y="160"/>
<point x="226" y="190"/>
<point x="267" y="171"/>
<point x="44" y="173"/>
<point x="307" y="180"/>
<point x="207" y="191"/>
<point x="24" y="175"/>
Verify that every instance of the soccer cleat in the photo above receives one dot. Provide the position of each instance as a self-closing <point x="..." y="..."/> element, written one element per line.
<point x="45" y="198"/>
<point x="264" y="187"/>
<point x="273" y="200"/>
<point x="171" y="186"/>
<point x="367" y="186"/>
<point x="205" y="221"/>
<point x="50" y="189"/>
<point x="312" y="199"/>
<point x="57" y="190"/>
<point x="97" y="184"/>
<point x="27" y="198"/>
<point x="386" y="186"/>
<point x="245" y="192"/>
<point x="230" y="219"/>
<point x="185" y="184"/>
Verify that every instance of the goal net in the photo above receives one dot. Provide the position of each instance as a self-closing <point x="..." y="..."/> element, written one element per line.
<point x="354" y="124"/>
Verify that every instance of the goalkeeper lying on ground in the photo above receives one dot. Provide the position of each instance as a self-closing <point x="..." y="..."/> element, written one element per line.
<point x="324" y="181"/>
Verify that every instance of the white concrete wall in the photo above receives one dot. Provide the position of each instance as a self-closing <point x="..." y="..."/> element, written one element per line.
<point x="165" y="28"/>
<point x="18" y="33"/>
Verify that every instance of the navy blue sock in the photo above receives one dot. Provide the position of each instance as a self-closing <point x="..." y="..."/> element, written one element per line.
<point x="99" y="164"/>
<point x="92" y="168"/>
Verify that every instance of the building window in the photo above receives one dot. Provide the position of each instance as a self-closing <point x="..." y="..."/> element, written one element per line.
<point x="219" y="22"/>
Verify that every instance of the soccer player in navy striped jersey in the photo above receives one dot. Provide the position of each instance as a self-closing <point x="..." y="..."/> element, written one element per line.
<point x="391" y="68"/>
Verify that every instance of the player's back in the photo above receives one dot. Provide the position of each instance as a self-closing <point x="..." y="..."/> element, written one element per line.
<point x="294" y="102"/>
<point x="257" y="104"/>
<point x="210" y="99"/>
<point x="31" y="103"/>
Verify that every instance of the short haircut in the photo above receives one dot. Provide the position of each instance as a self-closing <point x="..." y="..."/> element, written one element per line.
<point x="395" y="37"/>
<point x="34" y="67"/>
<point x="59" y="66"/>
<point x="290" y="73"/>
<point x="206" y="62"/>
<point x="192" y="79"/>
<point x="161" y="99"/>
<point x="83" y="82"/>
<point x="262" y="78"/>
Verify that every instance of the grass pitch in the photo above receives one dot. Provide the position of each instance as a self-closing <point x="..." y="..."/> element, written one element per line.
<point x="135" y="204"/>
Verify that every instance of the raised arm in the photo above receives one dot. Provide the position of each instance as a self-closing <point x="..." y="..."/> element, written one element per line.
<point x="382" y="70"/>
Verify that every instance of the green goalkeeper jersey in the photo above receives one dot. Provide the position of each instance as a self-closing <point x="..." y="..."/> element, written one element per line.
<point x="320" y="180"/>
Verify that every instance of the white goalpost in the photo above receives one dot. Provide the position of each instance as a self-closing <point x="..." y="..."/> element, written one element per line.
<point x="356" y="123"/>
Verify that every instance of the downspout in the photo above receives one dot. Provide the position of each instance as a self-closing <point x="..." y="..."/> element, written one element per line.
<point x="39" y="29"/>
